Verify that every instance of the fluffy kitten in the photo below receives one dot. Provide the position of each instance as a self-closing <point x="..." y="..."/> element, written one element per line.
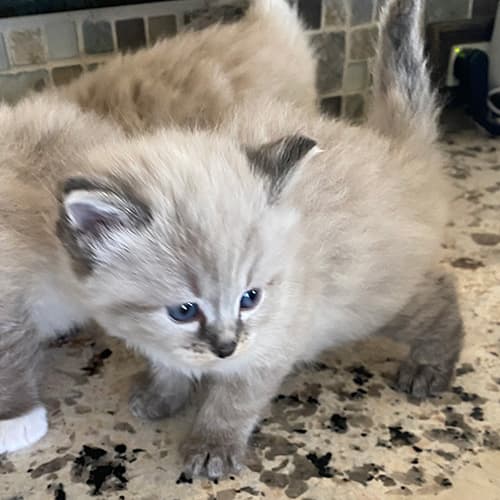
<point x="38" y="139"/>
<point x="229" y="255"/>
<point x="196" y="78"/>
<point x="251" y="258"/>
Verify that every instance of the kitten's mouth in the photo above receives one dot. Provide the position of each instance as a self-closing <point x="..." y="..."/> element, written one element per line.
<point x="209" y="355"/>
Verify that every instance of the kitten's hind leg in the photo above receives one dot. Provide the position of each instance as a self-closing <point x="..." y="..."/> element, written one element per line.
<point x="159" y="393"/>
<point x="432" y="325"/>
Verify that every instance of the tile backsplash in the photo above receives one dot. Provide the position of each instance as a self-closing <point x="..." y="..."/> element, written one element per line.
<point x="51" y="49"/>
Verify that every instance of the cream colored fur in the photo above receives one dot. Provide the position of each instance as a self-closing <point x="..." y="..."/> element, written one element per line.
<point x="39" y="139"/>
<point x="196" y="78"/>
<point x="342" y="238"/>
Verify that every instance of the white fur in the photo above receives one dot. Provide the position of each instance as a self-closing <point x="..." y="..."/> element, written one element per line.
<point x="23" y="431"/>
<point x="55" y="309"/>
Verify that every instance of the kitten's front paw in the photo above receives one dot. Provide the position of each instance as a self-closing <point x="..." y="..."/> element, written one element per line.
<point x="211" y="456"/>
<point x="420" y="381"/>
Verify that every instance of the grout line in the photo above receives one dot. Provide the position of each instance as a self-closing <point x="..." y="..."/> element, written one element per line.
<point x="112" y="21"/>
<point x="146" y="31"/>
<point x="79" y="38"/>
<point x="470" y="9"/>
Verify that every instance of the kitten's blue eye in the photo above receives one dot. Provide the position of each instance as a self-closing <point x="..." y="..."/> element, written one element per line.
<point x="250" y="299"/>
<point x="184" y="313"/>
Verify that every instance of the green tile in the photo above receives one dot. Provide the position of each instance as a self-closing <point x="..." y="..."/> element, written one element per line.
<point x="354" y="107"/>
<point x="199" y="19"/>
<point x="97" y="37"/>
<point x="331" y="106"/>
<point x="93" y="66"/>
<point x="13" y="87"/>
<point x="62" y="41"/>
<point x="335" y="12"/>
<point x="361" y="11"/>
<point x="26" y="47"/>
<point x="130" y="34"/>
<point x="363" y="43"/>
<point x="356" y="77"/>
<point x="65" y="74"/>
<point x="161" y="27"/>
<point x="330" y="50"/>
<point x="4" y="58"/>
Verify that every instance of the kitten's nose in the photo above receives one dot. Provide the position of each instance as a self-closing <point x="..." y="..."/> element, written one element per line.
<point x="225" y="350"/>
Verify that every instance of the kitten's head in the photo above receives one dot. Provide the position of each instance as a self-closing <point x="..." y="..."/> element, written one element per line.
<point x="181" y="241"/>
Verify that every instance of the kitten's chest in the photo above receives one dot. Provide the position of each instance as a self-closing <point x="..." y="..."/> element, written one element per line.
<point x="55" y="311"/>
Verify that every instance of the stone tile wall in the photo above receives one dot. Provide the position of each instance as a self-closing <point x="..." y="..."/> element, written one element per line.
<point x="51" y="49"/>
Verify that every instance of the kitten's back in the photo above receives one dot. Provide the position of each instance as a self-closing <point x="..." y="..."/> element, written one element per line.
<point x="196" y="78"/>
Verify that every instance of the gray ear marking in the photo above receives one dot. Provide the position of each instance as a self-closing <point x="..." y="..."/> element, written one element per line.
<point x="91" y="210"/>
<point x="278" y="160"/>
<point x="91" y="205"/>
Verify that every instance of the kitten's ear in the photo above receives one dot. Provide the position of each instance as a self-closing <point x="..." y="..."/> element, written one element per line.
<point x="91" y="212"/>
<point x="278" y="160"/>
<point x="93" y="208"/>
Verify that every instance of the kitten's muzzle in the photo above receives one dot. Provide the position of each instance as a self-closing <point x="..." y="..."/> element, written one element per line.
<point x="224" y="350"/>
<point x="222" y="339"/>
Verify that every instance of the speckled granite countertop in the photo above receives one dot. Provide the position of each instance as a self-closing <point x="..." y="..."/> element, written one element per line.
<point x="336" y="431"/>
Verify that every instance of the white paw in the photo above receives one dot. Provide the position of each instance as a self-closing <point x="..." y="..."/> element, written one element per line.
<point x="23" y="431"/>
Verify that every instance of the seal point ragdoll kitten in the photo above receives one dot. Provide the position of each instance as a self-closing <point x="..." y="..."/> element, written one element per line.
<point x="285" y="234"/>
<point x="194" y="78"/>
<point x="38" y="138"/>
<point x="230" y="255"/>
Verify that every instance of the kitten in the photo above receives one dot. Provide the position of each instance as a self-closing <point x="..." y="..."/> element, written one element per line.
<point x="197" y="78"/>
<point x="39" y="138"/>
<point x="229" y="255"/>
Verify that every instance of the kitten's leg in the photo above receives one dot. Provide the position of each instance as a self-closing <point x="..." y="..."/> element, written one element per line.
<point x="217" y="443"/>
<point x="23" y="420"/>
<point x="431" y="323"/>
<point x="159" y="393"/>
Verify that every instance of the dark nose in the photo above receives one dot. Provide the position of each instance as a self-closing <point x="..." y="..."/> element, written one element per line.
<point x="225" y="350"/>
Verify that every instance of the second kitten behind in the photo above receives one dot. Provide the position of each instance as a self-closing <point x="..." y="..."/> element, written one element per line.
<point x="197" y="78"/>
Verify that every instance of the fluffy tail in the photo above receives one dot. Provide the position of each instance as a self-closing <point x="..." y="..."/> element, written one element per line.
<point x="279" y="11"/>
<point x="404" y="105"/>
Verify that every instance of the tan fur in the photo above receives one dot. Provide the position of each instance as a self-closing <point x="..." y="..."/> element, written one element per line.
<point x="39" y="138"/>
<point x="198" y="77"/>
<point x="381" y="206"/>
<point x="340" y="238"/>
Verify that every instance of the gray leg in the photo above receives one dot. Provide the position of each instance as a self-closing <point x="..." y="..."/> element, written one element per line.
<point x="159" y="393"/>
<point x="217" y="443"/>
<point x="23" y="420"/>
<point x="432" y="325"/>
<point x="19" y="369"/>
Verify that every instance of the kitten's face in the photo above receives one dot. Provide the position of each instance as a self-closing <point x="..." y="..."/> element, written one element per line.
<point x="182" y="249"/>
